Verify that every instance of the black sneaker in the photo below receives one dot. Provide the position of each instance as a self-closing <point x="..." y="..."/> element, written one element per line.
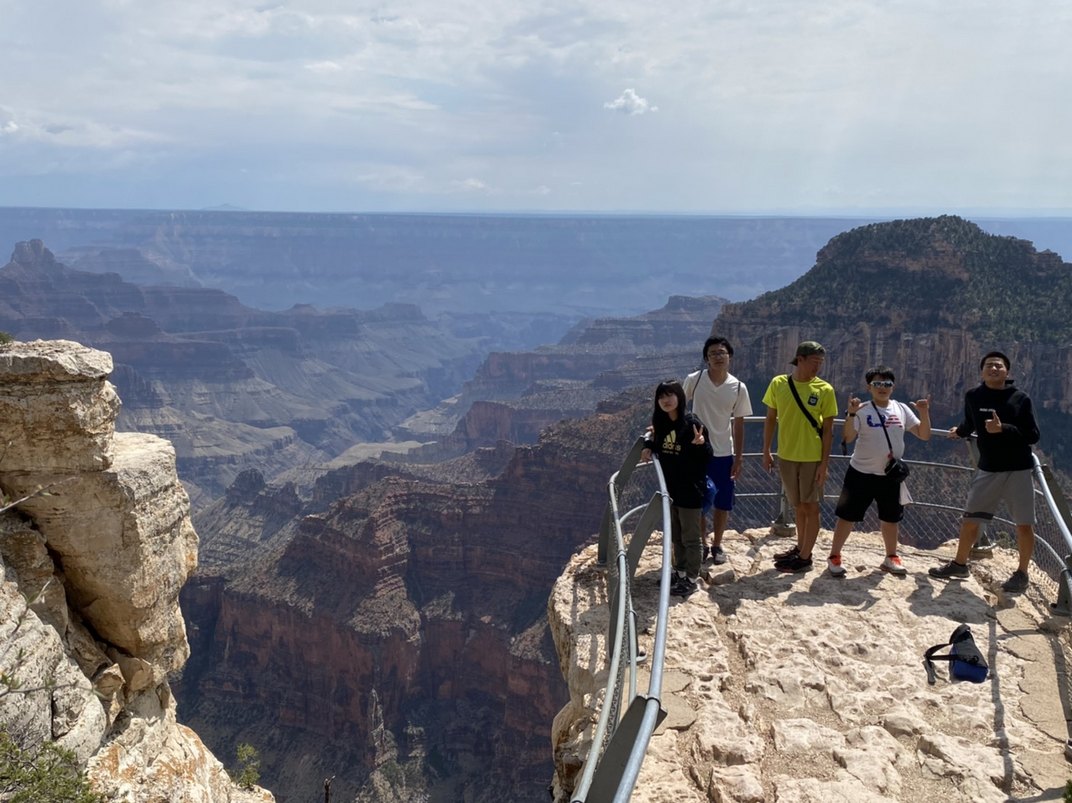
<point x="718" y="556"/>
<point x="675" y="580"/>
<point x="787" y="554"/>
<point x="950" y="571"/>
<point x="797" y="564"/>
<point x="1017" y="582"/>
<point x="708" y="553"/>
<point x="684" y="588"/>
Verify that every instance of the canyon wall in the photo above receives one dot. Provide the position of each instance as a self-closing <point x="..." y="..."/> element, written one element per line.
<point x="394" y="629"/>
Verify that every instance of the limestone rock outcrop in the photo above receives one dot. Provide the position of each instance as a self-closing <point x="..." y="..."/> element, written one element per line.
<point x="811" y="688"/>
<point x="96" y="542"/>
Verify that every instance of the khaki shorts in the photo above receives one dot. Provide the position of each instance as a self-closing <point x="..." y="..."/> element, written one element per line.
<point x="798" y="481"/>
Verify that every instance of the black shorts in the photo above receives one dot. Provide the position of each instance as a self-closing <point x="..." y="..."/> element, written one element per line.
<point x="860" y="490"/>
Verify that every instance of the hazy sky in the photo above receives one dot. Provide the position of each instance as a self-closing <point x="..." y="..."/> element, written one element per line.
<point x="711" y="106"/>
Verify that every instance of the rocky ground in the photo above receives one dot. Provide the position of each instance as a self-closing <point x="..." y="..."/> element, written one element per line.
<point x="805" y="687"/>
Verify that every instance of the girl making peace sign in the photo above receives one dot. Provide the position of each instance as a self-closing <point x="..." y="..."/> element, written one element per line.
<point x="680" y="440"/>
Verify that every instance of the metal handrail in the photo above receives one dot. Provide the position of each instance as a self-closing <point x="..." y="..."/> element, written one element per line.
<point x="618" y="746"/>
<point x="605" y="777"/>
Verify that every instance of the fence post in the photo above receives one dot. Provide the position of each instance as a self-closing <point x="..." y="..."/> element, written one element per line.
<point x="784" y="521"/>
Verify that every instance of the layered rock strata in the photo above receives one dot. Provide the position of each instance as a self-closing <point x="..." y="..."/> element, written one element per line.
<point x="96" y="534"/>
<point x="410" y="602"/>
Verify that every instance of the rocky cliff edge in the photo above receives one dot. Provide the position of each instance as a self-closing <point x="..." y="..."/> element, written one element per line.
<point x="93" y="558"/>
<point x="809" y="688"/>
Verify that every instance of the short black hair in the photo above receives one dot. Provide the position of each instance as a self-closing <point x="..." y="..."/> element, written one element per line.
<point x="717" y="341"/>
<point x="989" y="354"/>
<point x="883" y="371"/>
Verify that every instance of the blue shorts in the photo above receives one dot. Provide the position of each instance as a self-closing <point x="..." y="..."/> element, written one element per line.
<point x="719" y="485"/>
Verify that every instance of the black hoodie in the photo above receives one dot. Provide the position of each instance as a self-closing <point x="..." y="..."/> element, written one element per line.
<point x="684" y="463"/>
<point x="1010" y="449"/>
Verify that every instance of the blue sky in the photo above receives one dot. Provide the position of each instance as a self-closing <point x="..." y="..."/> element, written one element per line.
<point x="694" y="106"/>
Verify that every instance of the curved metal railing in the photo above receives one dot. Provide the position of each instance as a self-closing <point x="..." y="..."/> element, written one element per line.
<point x="940" y="488"/>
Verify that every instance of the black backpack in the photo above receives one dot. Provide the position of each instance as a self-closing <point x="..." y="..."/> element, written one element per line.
<point x="965" y="660"/>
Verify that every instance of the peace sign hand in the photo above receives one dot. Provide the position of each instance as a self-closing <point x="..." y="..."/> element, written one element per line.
<point x="993" y="424"/>
<point x="697" y="435"/>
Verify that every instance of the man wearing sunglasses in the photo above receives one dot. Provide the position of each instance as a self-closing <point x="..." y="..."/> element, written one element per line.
<point x="869" y="424"/>
<point x="1004" y="422"/>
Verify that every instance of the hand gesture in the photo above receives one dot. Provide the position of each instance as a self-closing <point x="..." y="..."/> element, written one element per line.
<point x="768" y="461"/>
<point x="697" y="435"/>
<point x="854" y="404"/>
<point x="735" y="470"/>
<point x="993" y="425"/>
<point x="923" y="406"/>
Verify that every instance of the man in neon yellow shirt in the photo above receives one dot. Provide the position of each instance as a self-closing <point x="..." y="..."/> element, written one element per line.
<point x="805" y="425"/>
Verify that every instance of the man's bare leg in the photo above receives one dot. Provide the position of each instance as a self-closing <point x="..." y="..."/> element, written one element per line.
<point x="1025" y="543"/>
<point x="890" y="530"/>
<point x="807" y="527"/>
<point x="842" y="531"/>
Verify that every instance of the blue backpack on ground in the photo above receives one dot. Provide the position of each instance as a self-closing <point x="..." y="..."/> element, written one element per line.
<point x="965" y="660"/>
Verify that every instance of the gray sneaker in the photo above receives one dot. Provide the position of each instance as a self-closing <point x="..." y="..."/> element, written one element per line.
<point x="1016" y="582"/>
<point x="949" y="571"/>
<point x="718" y="557"/>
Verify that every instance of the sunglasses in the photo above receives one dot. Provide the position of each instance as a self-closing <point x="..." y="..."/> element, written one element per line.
<point x="882" y="383"/>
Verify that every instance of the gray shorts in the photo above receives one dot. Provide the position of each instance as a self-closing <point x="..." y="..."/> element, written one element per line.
<point x="989" y="488"/>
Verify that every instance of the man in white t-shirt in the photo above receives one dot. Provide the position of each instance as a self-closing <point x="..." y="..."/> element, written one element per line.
<point x="878" y="428"/>
<point x="721" y="401"/>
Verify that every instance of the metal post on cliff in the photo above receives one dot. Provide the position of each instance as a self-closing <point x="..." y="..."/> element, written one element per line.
<point x="327" y="789"/>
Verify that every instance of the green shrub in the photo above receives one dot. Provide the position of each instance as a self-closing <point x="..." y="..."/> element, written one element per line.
<point x="249" y="766"/>
<point x="49" y="774"/>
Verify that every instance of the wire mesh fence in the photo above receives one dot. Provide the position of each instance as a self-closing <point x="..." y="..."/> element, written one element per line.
<point x="938" y="489"/>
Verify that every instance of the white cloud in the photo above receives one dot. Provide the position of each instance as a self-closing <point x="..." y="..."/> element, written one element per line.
<point x="343" y="103"/>
<point x="629" y="102"/>
<point x="472" y="185"/>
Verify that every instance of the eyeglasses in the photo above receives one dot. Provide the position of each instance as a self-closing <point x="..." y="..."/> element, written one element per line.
<point x="711" y="354"/>
<point x="882" y="383"/>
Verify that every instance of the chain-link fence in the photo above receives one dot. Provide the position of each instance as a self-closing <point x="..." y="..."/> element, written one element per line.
<point x="938" y="490"/>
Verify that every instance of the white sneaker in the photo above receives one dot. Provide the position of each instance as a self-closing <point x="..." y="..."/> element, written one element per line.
<point x="833" y="563"/>
<point x="893" y="565"/>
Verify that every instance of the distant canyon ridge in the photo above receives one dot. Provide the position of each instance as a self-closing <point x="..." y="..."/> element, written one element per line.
<point x="575" y="265"/>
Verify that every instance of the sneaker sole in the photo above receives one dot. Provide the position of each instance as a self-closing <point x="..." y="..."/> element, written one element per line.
<point x="895" y="572"/>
